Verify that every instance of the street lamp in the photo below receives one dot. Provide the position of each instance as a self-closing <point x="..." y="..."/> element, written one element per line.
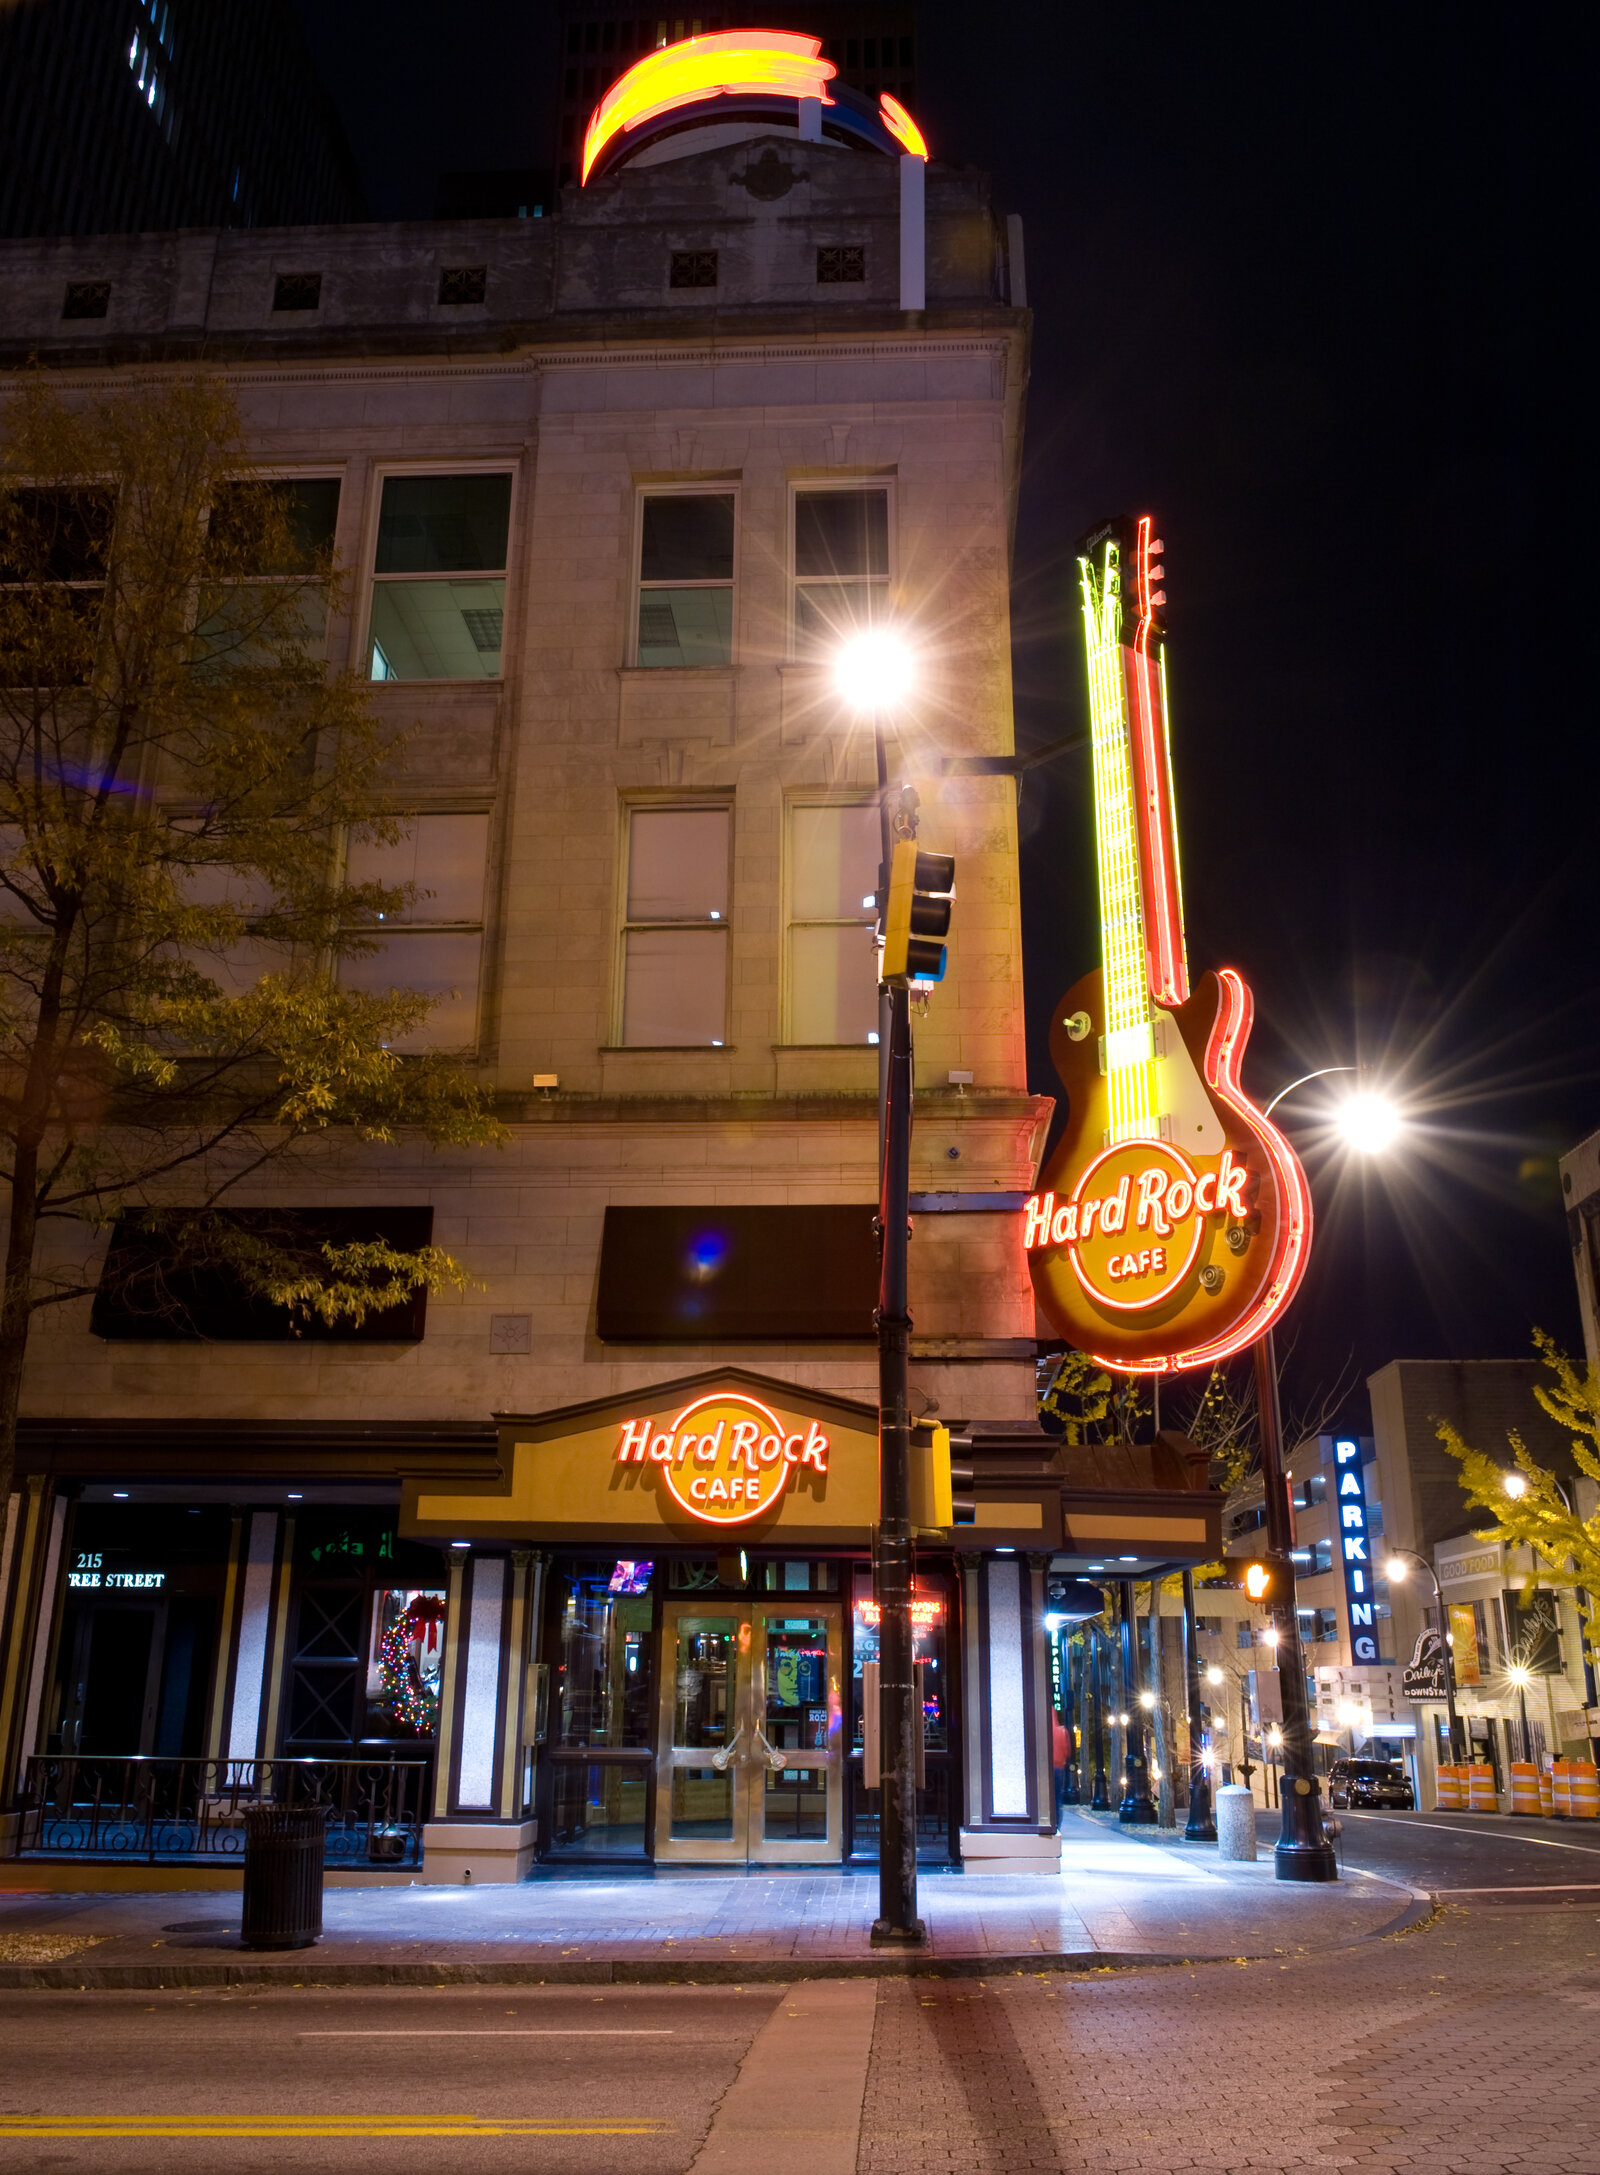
<point x="1369" y="1124"/>
<point x="872" y="671"/>
<point x="1397" y="1570"/>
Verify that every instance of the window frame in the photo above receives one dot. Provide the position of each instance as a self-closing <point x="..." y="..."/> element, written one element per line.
<point x="378" y="475"/>
<point x="462" y="805"/>
<point x="328" y="473"/>
<point x="793" y="804"/>
<point x="668" y="804"/>
<point x="78" y="585"/>
<point x="889" y="582"/>
<point x="720" y="487"/>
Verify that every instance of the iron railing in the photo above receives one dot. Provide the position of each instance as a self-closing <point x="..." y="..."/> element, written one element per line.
<point x="145" y="1810"/>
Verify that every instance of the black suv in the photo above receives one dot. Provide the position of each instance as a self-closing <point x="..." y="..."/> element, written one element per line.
<point x="1370" y="1782"/>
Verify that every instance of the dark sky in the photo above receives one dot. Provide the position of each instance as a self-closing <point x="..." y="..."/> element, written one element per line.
<point x="1307" y="286"/>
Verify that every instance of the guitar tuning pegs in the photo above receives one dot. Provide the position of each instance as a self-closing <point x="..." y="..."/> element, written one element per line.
<point x="1157" y="548"/>
<point x="1158" y="573"/>
<point x="1158" y="596"/>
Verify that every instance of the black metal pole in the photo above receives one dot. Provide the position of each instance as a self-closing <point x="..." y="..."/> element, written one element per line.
<point x="1303" y="1851"/>
<point x="1100" y="1800"/>
<point x="897" y="1922"/>
<point x="1071" y="1668"/>
<point x="1202" y="1826"/>
<point x="1137" y="1808"/>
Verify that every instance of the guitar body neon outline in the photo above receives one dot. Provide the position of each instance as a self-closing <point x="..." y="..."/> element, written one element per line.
<point x="1172" y="1224"/>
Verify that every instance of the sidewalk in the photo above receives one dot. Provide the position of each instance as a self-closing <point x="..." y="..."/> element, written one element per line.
<point x="1119" y="1901"/>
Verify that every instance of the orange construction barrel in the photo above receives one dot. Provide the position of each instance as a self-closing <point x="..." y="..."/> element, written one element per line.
<point x="1560" y="1792"/>
<point x="1481" y="1794"/>
<point x="1547" y="1790"/>
<point x="1447" y="1788"/>
<point x="1525" y="1788"/>
<point x="1583" y="1781"/>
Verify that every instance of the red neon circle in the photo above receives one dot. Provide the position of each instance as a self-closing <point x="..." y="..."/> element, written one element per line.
<point x="1174" y="1276"/>
<point x="698" y="1510"/>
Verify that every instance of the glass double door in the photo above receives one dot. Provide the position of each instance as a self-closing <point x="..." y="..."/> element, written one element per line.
<point x="750" y="1757"/>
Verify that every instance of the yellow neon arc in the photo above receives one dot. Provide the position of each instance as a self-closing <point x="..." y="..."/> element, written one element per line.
<point x="771" y="63"/>
<point x="1130" y="1043"/>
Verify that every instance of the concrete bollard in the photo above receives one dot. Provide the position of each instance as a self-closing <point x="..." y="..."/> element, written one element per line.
<point x="1236" y="1823"/>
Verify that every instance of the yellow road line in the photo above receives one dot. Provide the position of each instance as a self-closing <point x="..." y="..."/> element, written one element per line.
<point x="267" y="2126"/>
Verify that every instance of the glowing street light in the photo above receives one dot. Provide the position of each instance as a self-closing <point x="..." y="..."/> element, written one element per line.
<point x="1213" y="1674"/>
<point x="1516" y="1484"/>
<point x="1370" y="1123"/>
<point x="1147" y="1700"/>
<point x="873" y="671"/>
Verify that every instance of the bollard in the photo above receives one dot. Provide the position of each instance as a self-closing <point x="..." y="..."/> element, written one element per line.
<point x="1236" y="1823"/>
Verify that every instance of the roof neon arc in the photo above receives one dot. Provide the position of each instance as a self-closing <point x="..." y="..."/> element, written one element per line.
<point x="726" y="64"/>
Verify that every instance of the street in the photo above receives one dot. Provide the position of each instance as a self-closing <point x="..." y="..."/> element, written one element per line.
<point x="1464" y="2045"/>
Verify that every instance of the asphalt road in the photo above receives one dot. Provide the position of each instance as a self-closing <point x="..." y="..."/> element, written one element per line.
<point x="615" y="2083"/>
<point x="1469" y="1854"/>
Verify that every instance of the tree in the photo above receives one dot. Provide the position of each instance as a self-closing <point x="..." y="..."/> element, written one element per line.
<point x="180" y="777"/>
<point x="1540" y="1517"/>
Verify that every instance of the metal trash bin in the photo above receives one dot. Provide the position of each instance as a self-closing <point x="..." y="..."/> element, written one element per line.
<point x="284" y="1849"/>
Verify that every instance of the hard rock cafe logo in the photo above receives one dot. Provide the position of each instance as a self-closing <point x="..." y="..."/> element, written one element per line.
<point x="1135" y="1220"/>
<point x="725" y="1459"/>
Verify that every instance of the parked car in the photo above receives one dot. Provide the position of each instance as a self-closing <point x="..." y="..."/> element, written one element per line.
<point x="1370" y="1782"/>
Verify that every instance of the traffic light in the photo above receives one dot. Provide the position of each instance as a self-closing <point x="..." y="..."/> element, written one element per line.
<point x="1257" y="1580"/>
<point x="916" y="913"/>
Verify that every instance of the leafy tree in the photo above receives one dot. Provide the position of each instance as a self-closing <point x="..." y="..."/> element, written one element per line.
<point x="1538" y="1516"/>
<point x="180" y="775"/>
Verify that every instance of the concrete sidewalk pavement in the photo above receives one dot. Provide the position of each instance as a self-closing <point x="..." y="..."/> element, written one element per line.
<point x="1117" y="1902"/>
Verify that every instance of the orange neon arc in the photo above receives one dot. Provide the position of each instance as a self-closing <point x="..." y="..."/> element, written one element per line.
<point x="723" y="63"/>
<point x="901" y="127"/>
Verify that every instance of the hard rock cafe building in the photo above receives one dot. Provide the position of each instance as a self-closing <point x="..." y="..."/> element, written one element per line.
<point x="575" y="1565"/>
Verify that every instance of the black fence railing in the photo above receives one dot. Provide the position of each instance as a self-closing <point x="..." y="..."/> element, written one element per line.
<point x="144" y="1810"/>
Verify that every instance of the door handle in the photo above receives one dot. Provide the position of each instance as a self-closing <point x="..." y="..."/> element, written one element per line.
<point x="719" y="1760"/>
<point x="775" y="1759"/>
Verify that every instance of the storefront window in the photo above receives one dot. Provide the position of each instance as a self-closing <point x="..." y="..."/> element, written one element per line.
<point x="796" y="1721"/>
<point x="404" y="1657"/>
<point x="930" y="1622"/>
<point x="603" y="1664"/>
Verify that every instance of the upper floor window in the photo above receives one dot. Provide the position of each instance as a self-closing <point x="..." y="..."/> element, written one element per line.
<point x="833" y="868"/>
<point x="55" y="547"/>
<point x="841" y="565"/>
<point x="273" y="538"/>
<point x="425" y="626"/>
<point x="675" y="928"/>
<point x="685" y="578"/>
<point x="435" y="945"/>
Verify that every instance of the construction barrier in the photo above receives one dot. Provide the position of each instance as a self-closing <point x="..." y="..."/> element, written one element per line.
<point x="1547" y="1791"/>
<point x="1525" y="1787"/>
<point x="1448" y="1794"/>
<point x="1584" y="1783"/>
<point x="1560" y="1793"/>
<point x="1481" y="1793"/>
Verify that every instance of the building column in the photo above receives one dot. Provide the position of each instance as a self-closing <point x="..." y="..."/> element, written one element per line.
<point x="257" y="1629"/>
<point x="30" y="1582"/>
<point x="1010" y="1803"/>
<point x="477" y="1832"/>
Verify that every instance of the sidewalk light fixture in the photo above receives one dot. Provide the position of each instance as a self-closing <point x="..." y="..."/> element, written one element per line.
<point x="1516" y="1485"/>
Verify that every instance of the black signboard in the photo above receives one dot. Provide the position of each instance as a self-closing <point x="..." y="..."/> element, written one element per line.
<point x="1423" y="1677"/>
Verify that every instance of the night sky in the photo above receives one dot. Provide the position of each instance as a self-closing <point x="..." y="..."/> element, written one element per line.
<point x="1307" y="286"/>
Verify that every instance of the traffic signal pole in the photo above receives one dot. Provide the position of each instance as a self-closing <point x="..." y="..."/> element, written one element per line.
<point x="911" y="918"/>
<point x="1303" y="1851"/>
<point x="897" y="1923"/>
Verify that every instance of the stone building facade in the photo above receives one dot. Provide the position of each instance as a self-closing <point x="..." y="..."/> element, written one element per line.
<point x="610" y="489"/>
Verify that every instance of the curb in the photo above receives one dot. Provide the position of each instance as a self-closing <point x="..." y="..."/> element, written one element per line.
<point x="307" y="1973"/>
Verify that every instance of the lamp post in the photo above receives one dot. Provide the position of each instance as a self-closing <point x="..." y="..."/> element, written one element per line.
<point x="1303" y="1851"/>
<point x="1137" y="1808"/>
<point x="1201" y="1826"/>
<point x="872" y="673"/>
<point x="1396" y="1567"/>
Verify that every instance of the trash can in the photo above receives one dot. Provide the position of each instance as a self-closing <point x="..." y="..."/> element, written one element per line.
<point x="284" y="1846"/>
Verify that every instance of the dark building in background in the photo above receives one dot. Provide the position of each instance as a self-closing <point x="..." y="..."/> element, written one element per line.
<point x="872" y="43"/>
<point x="118" y="116"/>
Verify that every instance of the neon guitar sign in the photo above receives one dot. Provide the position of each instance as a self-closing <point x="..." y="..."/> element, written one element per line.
<point x="1173" y="1222"/>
